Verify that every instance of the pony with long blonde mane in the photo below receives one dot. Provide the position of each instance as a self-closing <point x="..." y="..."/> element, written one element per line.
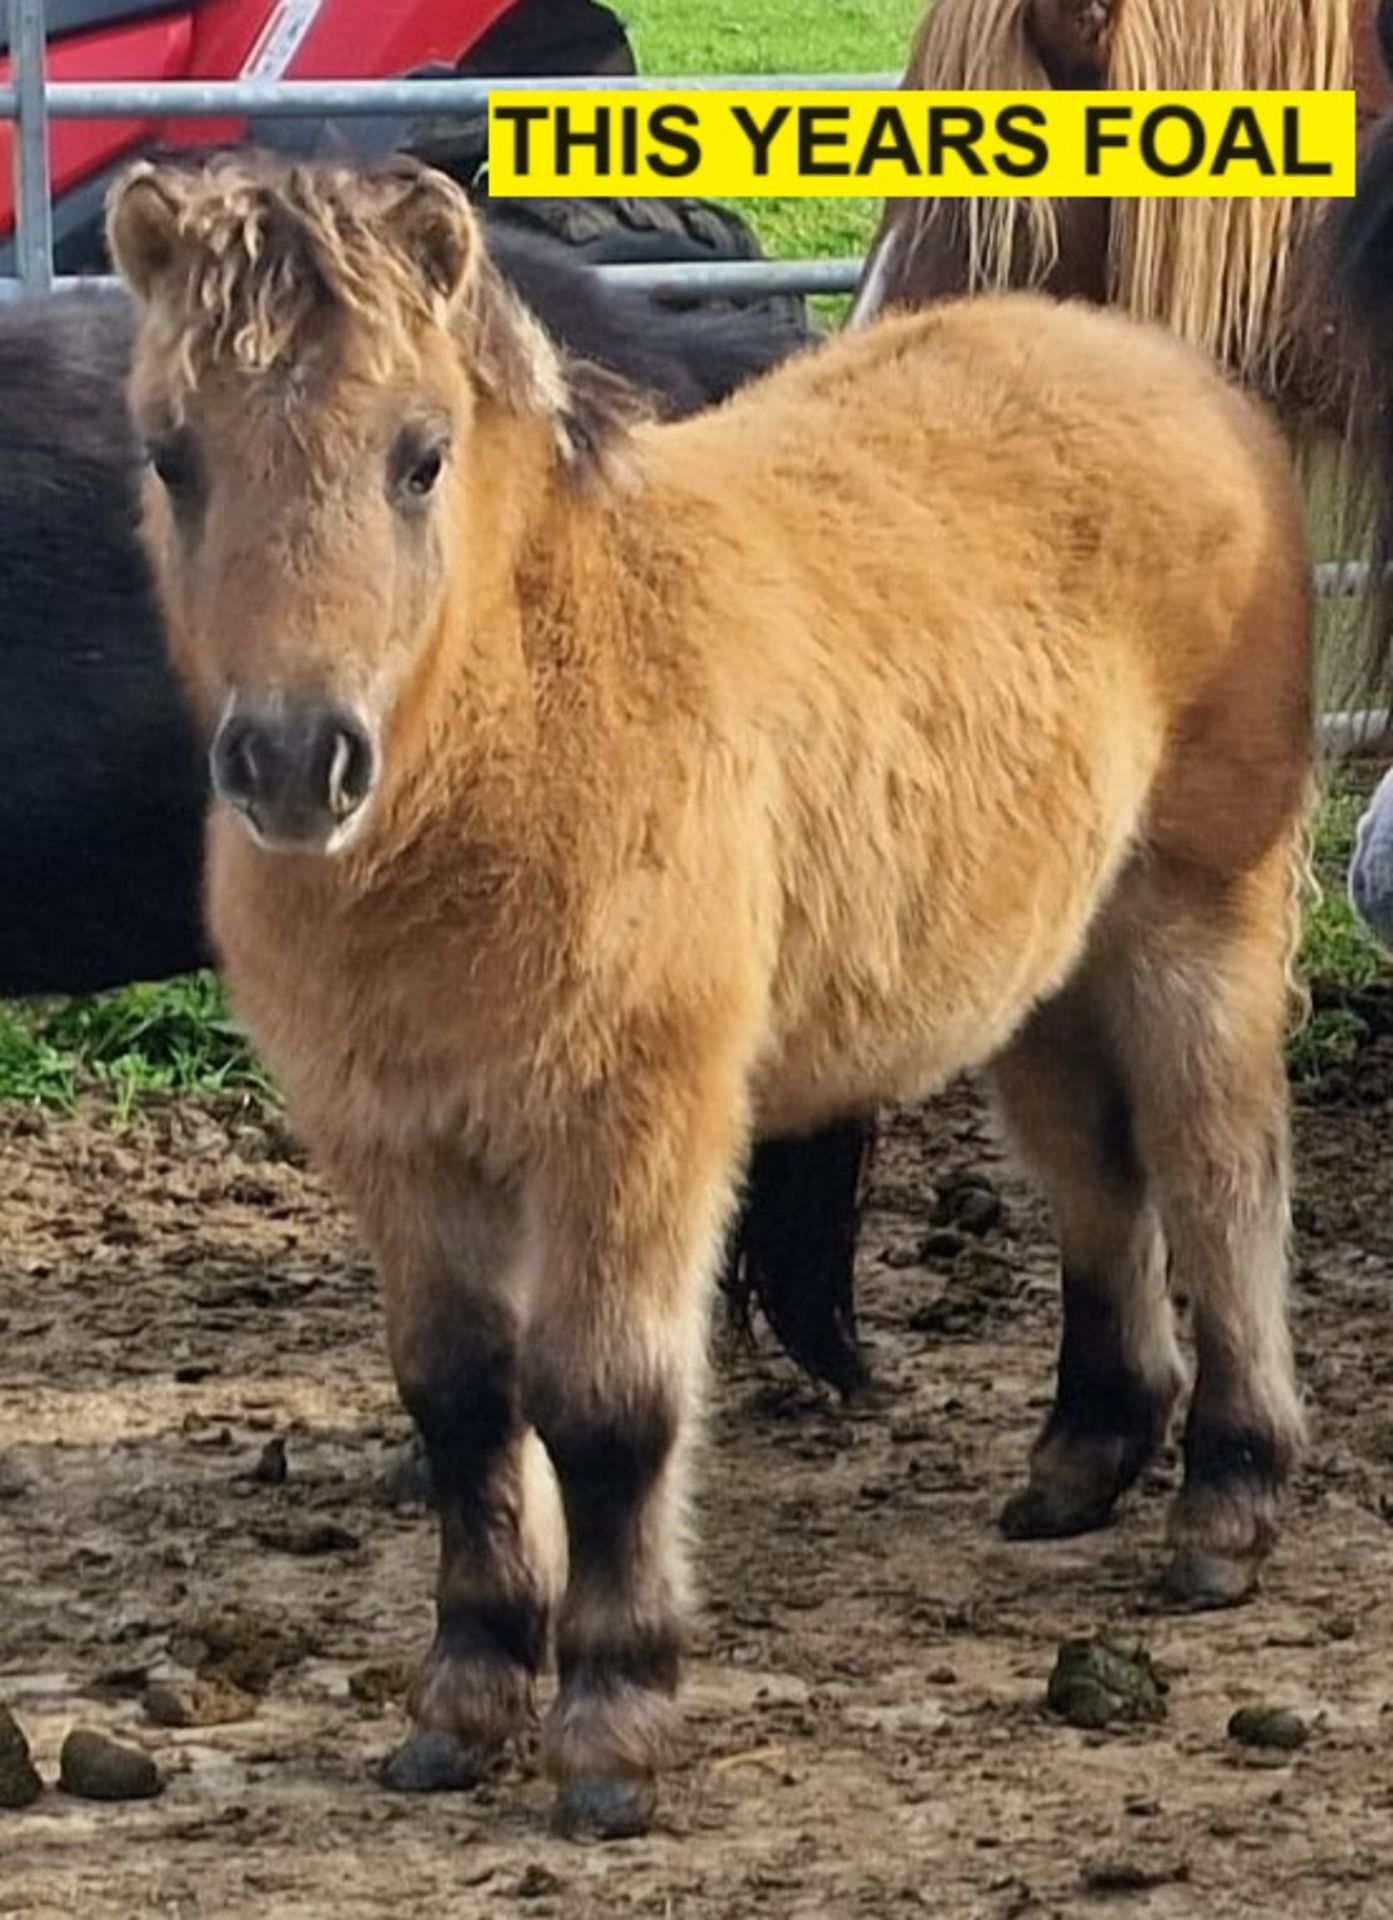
<point x="1247" y="280"/>
<point x="1216" y="271"/>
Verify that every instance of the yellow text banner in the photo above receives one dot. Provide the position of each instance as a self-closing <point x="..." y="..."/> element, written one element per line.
<point x="981" y="145"/>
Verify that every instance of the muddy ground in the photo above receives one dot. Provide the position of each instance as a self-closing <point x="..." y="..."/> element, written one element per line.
<point x="867" y="1730"/>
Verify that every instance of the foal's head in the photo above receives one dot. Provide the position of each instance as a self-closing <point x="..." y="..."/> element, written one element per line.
<point x="319" y="356"/>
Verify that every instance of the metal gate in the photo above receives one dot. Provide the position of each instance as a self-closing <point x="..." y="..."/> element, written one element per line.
<point x="31" y="102"/>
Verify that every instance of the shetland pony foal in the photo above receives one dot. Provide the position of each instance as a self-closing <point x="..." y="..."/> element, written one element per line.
<point x="538" y="741"/>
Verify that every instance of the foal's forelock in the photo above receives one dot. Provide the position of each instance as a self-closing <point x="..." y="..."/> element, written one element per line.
<point x="286" y="343"/>
<point x="262" y="270"/>
<point x="261" y="291"/>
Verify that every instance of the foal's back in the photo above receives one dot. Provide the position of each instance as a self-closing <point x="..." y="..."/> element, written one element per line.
<point x="1019" y="588"/>
<point x="1078" y="509"/>
<point x="1013" y="449"/>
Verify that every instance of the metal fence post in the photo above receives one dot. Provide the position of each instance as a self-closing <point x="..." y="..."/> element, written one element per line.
<point x="33" y="214"/>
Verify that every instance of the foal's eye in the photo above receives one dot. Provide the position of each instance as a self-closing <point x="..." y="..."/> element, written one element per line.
<point x="175" y="462"/>
<point x="417" y="464"/>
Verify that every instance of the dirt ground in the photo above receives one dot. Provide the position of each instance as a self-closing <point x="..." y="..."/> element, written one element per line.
<point x="867" y="1729"/>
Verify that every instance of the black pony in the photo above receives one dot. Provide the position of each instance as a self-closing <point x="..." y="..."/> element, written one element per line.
<point x="1365" y="231"/>
<point x="1363" y="248"/>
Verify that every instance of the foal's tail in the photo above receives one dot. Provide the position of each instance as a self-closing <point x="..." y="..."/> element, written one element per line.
<point x="794" y="1249"/>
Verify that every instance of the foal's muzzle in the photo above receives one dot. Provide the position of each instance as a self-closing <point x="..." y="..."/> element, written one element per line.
<point x="298" y="771"/>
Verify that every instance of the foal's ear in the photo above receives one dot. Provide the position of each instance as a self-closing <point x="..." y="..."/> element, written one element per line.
<point x="142" y="226"/>
<point x="434" y="225"/>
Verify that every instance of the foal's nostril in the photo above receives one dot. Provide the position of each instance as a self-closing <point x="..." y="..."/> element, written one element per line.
<point x="238" y="766"/>
<point x="348" y="777"/>
<point x="244" y="768"/>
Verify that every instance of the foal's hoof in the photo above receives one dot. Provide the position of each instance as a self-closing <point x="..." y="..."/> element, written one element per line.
<point x="434" y="1762"/>
<point x="1198" y="1581"/>
<point x="599" y="1808"/>
<point x="1049" y="1513"/>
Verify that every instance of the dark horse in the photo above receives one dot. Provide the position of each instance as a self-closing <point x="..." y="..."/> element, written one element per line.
<point x="1365" y="251"/>
<point x="104" y="791"/>
<point x="1365" y="278"/>
<point x="1150" y="255"/>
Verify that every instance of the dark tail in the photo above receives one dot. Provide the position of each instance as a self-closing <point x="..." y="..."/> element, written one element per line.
<point x="1351" y="277"/>
<point x="794" y="1249"/>
<point x="726" y="348"/>
<point x="1364" y="242"/>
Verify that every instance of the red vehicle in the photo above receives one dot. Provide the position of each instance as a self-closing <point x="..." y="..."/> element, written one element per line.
<point x="269" y="40"/>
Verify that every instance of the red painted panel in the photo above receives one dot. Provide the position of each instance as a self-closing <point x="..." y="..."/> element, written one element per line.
<point x="145" y="50"/>
<point x="347" y="40"/>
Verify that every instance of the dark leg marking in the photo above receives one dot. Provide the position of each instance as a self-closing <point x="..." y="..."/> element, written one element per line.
<point x="619" y="1639"/>
<point x="1106" y="1426"/>
<point x="491" y="1611"/>
<point x="1234" y="1480"/>
<point x="1117" y="1375"/>
<point x="1219" y="1456"/>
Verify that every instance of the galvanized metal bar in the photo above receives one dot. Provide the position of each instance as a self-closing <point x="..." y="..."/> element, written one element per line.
<point x="1335" y="579"/>
<point x="289" y="99"/>
<point x="1360" y="730"/>
<point x="12" y="287"/>
<point x="33" y="213"/>
<point x="752" y="279"/>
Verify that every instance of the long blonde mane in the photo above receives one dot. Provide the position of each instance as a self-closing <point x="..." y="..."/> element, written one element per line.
<point x="968" y="44"/>
<point x="1216" y="271"/>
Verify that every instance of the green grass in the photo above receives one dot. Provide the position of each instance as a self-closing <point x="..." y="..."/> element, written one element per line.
<point x="178" y="1037"/>
<point x="770" y="36"/>
<point x="1336" y="952"/>
<point x="1339" y="961"/>
<point x="175" y="1037"/>
<point x="782" y="36"/>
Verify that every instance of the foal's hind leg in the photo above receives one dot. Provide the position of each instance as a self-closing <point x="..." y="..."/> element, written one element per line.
<point x="1067" y="1104"/>
<point x="453" y="1257"/>
<point x="1204" y="1004"/>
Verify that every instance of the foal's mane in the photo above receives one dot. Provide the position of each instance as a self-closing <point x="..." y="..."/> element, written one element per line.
<point x="266" y="252"/>
<point x="1216" y="271"/>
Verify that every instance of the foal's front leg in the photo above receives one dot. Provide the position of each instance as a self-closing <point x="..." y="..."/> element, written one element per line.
<point x="615" y="1370"/>
<point x="452" y="1251"/>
